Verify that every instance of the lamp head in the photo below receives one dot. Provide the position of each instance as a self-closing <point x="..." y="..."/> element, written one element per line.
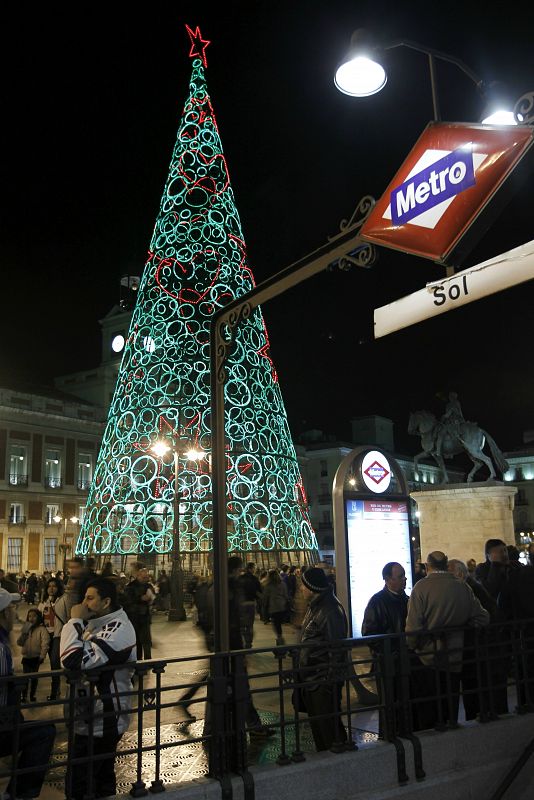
<point x="160" y="448"/>
<point x="360" y="73"/>
<point x="499" y="108"/>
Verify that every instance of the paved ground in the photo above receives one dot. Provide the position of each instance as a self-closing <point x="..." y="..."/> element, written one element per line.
<point x="185" y="761"/>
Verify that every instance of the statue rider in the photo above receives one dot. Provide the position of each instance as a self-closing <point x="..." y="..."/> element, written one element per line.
<point x="453" y="411"/>
<point x="451" y="420"/>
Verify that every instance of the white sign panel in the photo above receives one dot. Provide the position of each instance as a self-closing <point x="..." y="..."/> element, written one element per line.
<point x="377" y="532"/>
<point x="494" y="275"/>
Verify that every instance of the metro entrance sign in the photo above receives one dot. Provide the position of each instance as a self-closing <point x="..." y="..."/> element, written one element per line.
<point x="444" y="186"/>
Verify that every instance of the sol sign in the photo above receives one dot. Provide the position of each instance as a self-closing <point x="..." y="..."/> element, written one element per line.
<point x="448" y="179"/>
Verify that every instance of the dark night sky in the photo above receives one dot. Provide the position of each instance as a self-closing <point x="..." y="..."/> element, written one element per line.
<point x="91" y="109"/>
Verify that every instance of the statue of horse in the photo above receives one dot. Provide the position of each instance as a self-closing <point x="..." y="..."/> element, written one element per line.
<point x="441" y="440"/>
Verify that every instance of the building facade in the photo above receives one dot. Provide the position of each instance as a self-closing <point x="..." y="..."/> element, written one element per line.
<point x="48" y="447"/>
<point x="521" y="474"/>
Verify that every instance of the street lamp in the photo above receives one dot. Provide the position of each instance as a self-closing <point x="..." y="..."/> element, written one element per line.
<point x="160" y="447"/>
<point x="65" y="546"/>
<point x="362" y="73"/>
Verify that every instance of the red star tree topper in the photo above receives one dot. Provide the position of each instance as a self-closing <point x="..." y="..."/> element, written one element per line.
<point x="198" y="44"/>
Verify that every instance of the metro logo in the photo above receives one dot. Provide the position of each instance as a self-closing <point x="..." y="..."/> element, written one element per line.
<point x="446" y="178"/>
<point x="376" y="472"/>
<point x="442" y="198"/>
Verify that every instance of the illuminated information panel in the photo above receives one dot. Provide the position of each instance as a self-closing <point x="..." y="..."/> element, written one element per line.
<point x="377" y="532"/>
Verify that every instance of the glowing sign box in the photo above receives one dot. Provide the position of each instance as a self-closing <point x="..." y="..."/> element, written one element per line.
<point x="378" y="531"/>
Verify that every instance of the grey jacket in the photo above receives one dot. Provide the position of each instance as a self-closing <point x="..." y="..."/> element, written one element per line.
<point x="62" y="609"/>
<point x="442" y="601"/>
<point x="274" y="598"/>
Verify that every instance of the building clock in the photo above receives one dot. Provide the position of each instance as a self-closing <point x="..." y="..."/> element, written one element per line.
<point x="117" y="343"/>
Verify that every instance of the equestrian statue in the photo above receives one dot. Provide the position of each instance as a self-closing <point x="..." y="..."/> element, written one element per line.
<point x="451" y="435"/>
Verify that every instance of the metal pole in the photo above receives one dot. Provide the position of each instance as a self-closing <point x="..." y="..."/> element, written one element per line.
<point x="218" y="483"/>
<point x="221" y="337"/>
<point x="433" y="83"/>
<point x="177" y="610"/>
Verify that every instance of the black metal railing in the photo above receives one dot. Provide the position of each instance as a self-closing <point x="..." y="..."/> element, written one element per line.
<point x="313" y="692"/>
<point x="18" y="480"/>
<point x="84" y="485"/>
<point x="52" y="483"/>
<point x="17" y="519"/>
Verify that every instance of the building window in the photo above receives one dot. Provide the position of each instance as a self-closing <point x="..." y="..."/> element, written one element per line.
<point x="14" y="555"/>
<point x="326" y="517"/>
<point x="52" y="469"/>
<point x="52" y="511"/>
<point x="50" y="550"/>
<point x="85" y="470"/>
<point x="16" y="516"/>
<point x="81" y="514"/>
<point x="324" y="468"/>
<point x="18" y="465"/>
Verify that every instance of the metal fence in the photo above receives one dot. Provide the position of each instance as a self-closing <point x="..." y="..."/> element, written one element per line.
<point x="420" y="681"/>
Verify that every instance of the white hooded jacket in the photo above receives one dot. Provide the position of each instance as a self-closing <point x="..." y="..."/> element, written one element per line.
<point x="87" y="645"/>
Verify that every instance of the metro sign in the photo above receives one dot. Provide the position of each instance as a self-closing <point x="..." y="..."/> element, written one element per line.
<point x="444" y="186"/>
<point x="376" y="472"/>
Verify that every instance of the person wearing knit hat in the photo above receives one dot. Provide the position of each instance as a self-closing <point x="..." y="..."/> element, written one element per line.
<point x="314" y="578"/>
<point x="322" y="671"/>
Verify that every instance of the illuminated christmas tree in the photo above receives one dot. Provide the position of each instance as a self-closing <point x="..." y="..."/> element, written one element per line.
<point x="158" y="430"/>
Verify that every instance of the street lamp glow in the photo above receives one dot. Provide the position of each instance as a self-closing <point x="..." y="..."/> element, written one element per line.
<point x="57" y="518"/>
<point x="74" y="520"/>
<point x="194" y="455"/>
<point x="360" y="77"/>
<point x="160" y="448"/>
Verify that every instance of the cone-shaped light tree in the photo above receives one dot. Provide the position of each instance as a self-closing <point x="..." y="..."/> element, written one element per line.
<point x="152" y="477"/>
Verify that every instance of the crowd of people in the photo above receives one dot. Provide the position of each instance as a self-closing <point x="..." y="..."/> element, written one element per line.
<point x="84" y="619"/>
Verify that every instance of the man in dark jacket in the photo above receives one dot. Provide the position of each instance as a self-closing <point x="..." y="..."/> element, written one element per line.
<point x="255" y="726"/>
<point x="516" y="602"/>
<point x="251" y="590"/>
<point x="322" y="668"/>
<point x="493" y="572"/>
<point x="138" y="598"/>
<point x="386" y="610"/>
<point x="386" y="613"/>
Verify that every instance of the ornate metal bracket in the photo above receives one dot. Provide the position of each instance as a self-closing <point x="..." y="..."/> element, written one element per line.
<point x="524" y="109"/>
<point x="365" y="255"/>
<point x="225" y="336"/>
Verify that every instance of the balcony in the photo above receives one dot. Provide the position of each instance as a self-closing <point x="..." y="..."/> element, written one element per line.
<point x="84" y="486"/>
<point x="52" y="483"/>
<point x="17" y="520"/>
<point x="18" y="480"/>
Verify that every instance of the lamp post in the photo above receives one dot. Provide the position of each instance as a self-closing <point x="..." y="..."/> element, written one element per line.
<point x="65" y="545"/>
<point x="362" y="73"/>
<point x="177" y="610"/>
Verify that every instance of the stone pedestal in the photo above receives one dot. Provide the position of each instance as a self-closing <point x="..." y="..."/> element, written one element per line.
<point x="458" y="518"/>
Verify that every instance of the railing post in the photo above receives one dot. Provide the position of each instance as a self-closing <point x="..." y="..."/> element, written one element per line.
<point x="387" y="701"/>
